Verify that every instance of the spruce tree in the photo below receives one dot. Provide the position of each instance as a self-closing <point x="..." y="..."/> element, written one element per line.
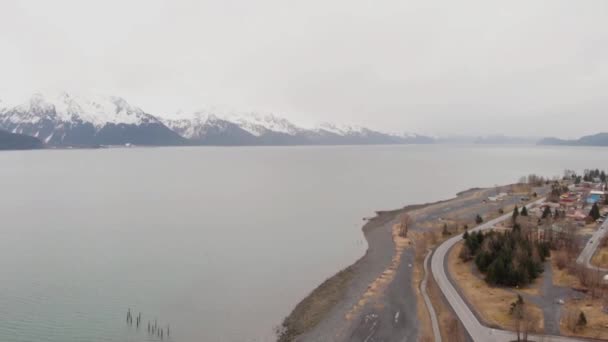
<point x="546" y="212"/>
<point x="524" y="211"/>
<point x="445" y="229"/>
<point x="595" y="211"/>
<point x="515" y="213"/>
<point x="582" y="320"/>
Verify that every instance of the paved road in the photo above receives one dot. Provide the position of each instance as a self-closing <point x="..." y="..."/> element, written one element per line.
<point x="585" y="257"/>
<point x="475" y="329"/>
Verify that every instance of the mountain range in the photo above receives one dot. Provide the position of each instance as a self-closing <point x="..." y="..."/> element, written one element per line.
<point x="67" y="120"/>
<point x="599" y="139"/>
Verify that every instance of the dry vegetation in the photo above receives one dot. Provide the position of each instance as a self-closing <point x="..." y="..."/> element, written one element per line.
<point x="450" y="327"/>
<point x="600" y="258"/>
<point x="563" y="274"/>
<point x="491" y="303"/>
<point x="313" y="308"/>
<point x="421" y="243"/>
<point x="597" y="320"/>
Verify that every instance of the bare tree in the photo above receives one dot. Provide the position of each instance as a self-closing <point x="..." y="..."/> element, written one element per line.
<point x="517" y="314"/>
<point x="529" y="321"/>
<point x="404" y="224"/>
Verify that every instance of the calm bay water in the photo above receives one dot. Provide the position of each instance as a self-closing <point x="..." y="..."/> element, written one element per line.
<point x="220" y="243"/>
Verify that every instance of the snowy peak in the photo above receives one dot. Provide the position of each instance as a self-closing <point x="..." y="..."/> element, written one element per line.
<point x="342" y="130"/>
<point x="73" y="120"/>
<point x="259" y="124"/>
<point x="193" y="125"/>
<point x="65" y="108"/>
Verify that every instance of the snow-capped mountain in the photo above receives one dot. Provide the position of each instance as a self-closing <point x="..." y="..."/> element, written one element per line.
<point x="204" y="128"/>
<point x="69" y="120"/>
<point x="260" y="124"/>
<point x="214" y="127"/>
<point x="343" y="130"/>
<point x="63" y="119"/>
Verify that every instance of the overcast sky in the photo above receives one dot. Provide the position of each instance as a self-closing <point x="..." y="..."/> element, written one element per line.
<point x="434" y="67"/>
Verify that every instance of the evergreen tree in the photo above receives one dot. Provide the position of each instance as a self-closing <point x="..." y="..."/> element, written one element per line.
<point x="515" y="213"/>
<point x="524" y="211"/>
<point x="546" y="212"/>
<point x="582" y="320"/>
<point x="478" y="219"/>
<point x="595" y="211"/>
<point x="465" y="236"/>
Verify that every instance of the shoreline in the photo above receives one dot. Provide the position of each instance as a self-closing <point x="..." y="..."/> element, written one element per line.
<point x="322" y="312"/>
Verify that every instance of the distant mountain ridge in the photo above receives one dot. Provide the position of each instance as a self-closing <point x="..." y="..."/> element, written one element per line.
<point x="599" y="139"/>
<point x="68" y="120"/>
<point x="267" y="129"/>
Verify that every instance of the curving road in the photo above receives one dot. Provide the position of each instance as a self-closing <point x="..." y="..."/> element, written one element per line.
<point x="476" y="330"/>
<point x="585" y="257"/>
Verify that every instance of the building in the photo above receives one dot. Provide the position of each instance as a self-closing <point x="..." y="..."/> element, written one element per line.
<point x="594" y="196"/>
